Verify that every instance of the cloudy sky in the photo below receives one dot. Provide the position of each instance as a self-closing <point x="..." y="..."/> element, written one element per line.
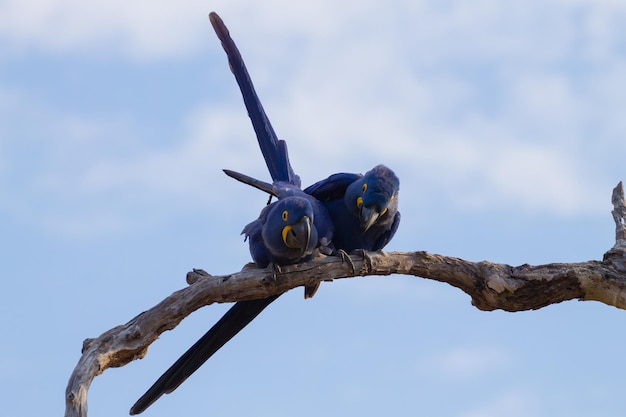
<point x="504" y="121"/>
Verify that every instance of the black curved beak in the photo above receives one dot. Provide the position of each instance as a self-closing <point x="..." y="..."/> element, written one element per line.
<point x="369" y="216"/>
<point x="298" y="235"/>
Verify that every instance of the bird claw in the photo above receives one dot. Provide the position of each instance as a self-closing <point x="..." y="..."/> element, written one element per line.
<point x="346" y="258"/>
<point x="276" y="269"/>
<point x="367" y="260"/>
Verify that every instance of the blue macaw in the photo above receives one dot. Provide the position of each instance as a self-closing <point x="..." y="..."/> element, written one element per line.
<point x="362" y="208"/>
<point x="284" y="233"/>
<point x="286" y="184"/>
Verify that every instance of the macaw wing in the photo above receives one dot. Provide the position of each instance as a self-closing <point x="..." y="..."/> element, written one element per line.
<point x="275" y="157"/>
<point x="333" y="187"/>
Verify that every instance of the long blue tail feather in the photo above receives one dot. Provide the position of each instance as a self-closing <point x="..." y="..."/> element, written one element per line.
<point x="276" y="160"/>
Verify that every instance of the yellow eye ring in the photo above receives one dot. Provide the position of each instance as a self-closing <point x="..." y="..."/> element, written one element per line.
<point x="359" y="202"/>
<point x="365" y="187"/>
<point x="285" y="215"/>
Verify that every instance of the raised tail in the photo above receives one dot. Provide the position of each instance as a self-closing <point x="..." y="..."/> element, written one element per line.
<point x="274" y="151"/>
<point x="261" y="185"/>
<point x="235" y="319"/>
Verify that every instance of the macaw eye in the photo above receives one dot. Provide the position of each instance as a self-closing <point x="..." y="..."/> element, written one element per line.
<point x="365" y="187"/>
<point x="285" y="215"/>
<point x="359" y="202"/>
<point x="391" y="199"/>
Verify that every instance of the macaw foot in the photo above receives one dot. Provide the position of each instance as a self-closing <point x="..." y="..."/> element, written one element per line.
<point x="367" y="260"/>
<point x="275" y="268"/>
<point x="346" y="258"/>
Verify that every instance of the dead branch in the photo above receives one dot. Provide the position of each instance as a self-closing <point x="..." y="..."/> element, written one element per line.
<point x="491" y="286"/>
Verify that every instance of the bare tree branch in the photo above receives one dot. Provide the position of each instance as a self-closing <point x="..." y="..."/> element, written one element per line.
<point x="491" y="286"/>
<point x="619" y="213"/>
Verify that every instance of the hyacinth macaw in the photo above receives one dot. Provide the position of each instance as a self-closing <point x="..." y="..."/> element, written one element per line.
<point x="362" y="209"/>
<point x="284" y="233"/>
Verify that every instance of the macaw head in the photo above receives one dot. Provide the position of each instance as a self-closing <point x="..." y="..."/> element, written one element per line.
<point x="373" y="195"/>
<point x="288" y="230"/>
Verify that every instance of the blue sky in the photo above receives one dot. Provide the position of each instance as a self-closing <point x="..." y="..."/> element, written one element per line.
<point x="503" y="120"/>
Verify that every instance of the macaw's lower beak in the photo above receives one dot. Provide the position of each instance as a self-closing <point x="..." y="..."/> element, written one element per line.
<point x="369" y="216"/>
<point x="298" y="235"/>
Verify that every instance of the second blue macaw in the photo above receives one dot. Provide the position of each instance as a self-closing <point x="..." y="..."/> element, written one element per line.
<point x="362" y="208"/>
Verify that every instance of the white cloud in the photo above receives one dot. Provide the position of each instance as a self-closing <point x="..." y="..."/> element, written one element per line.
<point x="479" y="162"/>
<point x="530" y="177"/>
<point x="484" y="30"/>
<point x="479" y="103"/>
<point x="141" y="29"/>
<point x="90" y="176"/>
<point x="148" y="30"/>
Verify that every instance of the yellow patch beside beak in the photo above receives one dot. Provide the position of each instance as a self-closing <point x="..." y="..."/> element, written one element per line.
<point x="284" y="233"/>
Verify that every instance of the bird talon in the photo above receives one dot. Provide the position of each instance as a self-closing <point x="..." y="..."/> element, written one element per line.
<point x="367" y="260"/>
<point x="346" y="258"/>
<point x="276" y="269"/>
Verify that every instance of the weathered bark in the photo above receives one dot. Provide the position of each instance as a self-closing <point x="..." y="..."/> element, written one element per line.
<point x="491" y="286"/>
